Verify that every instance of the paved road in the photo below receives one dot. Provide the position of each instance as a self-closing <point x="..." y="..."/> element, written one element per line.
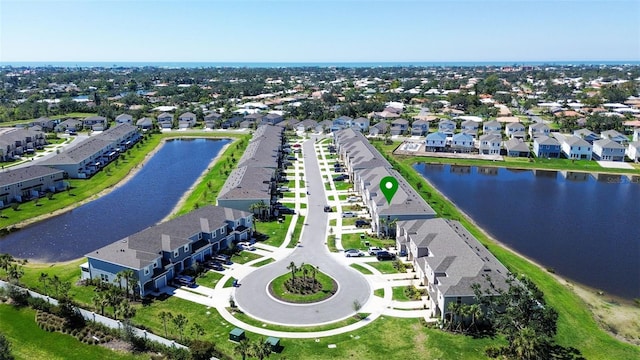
<point x="252" y="296"/>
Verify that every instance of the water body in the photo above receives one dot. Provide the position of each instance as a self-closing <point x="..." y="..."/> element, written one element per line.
<point x="584" y="226"/>
<point x="142" y="201"/>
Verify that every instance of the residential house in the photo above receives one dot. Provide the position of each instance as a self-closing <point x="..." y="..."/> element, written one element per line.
<point x="145" y="123"/>
<point x="515" y="131"/>
<point x="46" y="124"/>
<point x="165" y="121"/>
<point x="587" y="135"/>
<point x="271" y="118"/>
<point x="546" y="147"/>
<point x="419" y="128"/>
<point x="124" y="119"/>
<point x="324" y="126"/>
<point x="633" y="151"/>
<point x="516" y="148"/>
<point x="470" y="127"/>
<point x="636" y="134"/>
<point x="576" y="148"/>
<point x="462" y="142"/>
<point x="378" y="129"/>
<point x="609" y="150"/>
<point x="158" y="254"/>
<point x="22" y="184"/>
<point x="492" y="126"/>
<point x="362" y="124"/>
<point x="186" y="120"/>
<point x="436" y="141"/>
<point x="343" y="122"/>
<point x="15" y="142"/>
<point x="447" y="127"/>
<point x="538" y="129"/>
<point x="92" y="154"/>
<point x="212" y="120"/>
<point x="307" y="125"/>
<point x="449" y="261"/>
<point x="490" y="144"/>
<point x="399" y="126"/>
<point x="615" y="136"/>
<point x="95" y="123"/>
<point x="69" y="125"/>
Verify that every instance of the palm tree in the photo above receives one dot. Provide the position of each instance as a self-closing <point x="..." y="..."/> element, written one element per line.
<point x="100" y="301"/>
<point x="475" y="311"/>
<point x="304" y="274"/>
<point x="44" y="277"/>
<point x="128" y="276"/>
<point x="15" y="272"/>
<point x="261" y="349"/>
<point x="197" y="330"/>
<point x="293" y="268"/>
<point x="314" y="270"/>
<point x="164" y="316"/>
<point x="125" y="310"/>
<point x="526" y="345"/>
<point x="5" y="260"/>
<point x="55" y="282"/>
<point x="243" y="348"/>
<point x="180" y="321"/>
<point x="454" y="309"/>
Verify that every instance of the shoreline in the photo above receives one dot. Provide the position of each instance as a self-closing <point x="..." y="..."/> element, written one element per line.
<point x="592" y="298"/>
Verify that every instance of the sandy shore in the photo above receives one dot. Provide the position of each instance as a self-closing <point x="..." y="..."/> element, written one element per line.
<point x="619" y="317"/>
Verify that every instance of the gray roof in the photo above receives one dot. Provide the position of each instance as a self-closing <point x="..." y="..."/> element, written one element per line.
<point x="406" y="200"/>
<point x="116" y="132"/>
<point x="457" y="258"/>
<point x="514" y="126"/>
<point x="247" y="183"/>
<point x="78" y="153"/>
<point x="13" y="176"/>
<point x="142" y="248"/>
<point x="575" y="141"/>
<point x="607" y="143"/>
<point x="516" y="145"/>
<point x="546" y="140"/>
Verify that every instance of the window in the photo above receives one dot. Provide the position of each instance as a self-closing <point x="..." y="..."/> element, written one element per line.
<point x="186" y="248"/>
<point x="104" y="277"/>
<point x="176" y="253"/>
<point x="146" y="271"/>
<point x="221" y="230"/>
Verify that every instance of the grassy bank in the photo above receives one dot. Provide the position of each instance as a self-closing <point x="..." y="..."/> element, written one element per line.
<point x="29" y="342"/>
<point x="576" y="325"/>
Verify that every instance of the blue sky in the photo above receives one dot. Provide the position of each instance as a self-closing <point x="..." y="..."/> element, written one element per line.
<point x="319" y="31"/>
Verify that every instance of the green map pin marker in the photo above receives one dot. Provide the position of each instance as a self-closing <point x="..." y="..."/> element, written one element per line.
<point x="389" y="186"/>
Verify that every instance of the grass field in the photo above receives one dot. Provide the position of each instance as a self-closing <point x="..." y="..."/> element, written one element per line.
<point x="385" y="267"/>
<point x="274" y="230"/>
<point x="29" y="342"/>
<point x="361" y="269"/>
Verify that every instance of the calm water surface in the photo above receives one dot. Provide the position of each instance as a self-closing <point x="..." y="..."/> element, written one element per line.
<point x="584" y="226"/>
<point x="141" y="202"/>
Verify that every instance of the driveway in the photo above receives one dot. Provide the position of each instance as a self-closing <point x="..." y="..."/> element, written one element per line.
<point x="252" y="296"/>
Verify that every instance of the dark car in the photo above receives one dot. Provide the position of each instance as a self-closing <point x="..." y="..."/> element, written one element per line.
<point x="338" y="169"/>
<point x="339" y="178"/>
<point x="385" y="255"/>
<point x="214" y="265"/>
<point x="286" y="210"/>
<point x="224" y="259"/>
<point x="361" y="223"/>
<point x="292" y="158"/>
<point x="327" y="208"/>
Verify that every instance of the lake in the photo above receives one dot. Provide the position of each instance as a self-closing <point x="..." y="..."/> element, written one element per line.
<point x="584" y="226"/>
<point x="142" y="201"/>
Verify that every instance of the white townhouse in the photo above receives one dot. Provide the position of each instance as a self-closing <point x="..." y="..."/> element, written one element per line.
<point x="462" y="142"/>
<point x="491" y="126"/>
<point x="636" y="134"/>
<point x="515" y="131"/>
<point x="447" y="127"/>
<point x="576" y="148"/>
<point x="490" y="144"/>
<point x="633" y="151"/>
<point x="538" y="129"/>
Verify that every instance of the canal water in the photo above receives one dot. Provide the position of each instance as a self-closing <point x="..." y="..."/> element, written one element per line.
<point x="142" y="201"/>
<point x="584" y="226"/>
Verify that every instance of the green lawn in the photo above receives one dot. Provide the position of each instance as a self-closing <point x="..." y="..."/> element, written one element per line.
<point x="274" y="230"/>
<point x="279" y="290"/>
<point x="295" y="237"/>
<point x="333" y="222"/>
<point x="263" y="262"/>
<point x="342" y="197"/>
<point x="209" y="279"/>
<point x="343" y="185"/>
<point x="361" y="269"/>
<point x="378" y="292"/>
<point x="385" y="267"/>
<point x="244" y="257"/>
<point x="398" y="294"/>
<point x="331" y="198"/>
<point x="354" y="241"/>
<point x="251" y="321"/>
<point x="331" y="243"/>
<point x="29" y="342"/>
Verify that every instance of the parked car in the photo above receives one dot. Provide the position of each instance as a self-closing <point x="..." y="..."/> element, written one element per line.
<point x="362" y="223"/>
<point x="245" y="245"/>
<point x="373" y="250"/>
<point x="353" y="253"/>
<point x="295" y="145"/>
<point x="283" y="188"/>
<point x="353" y="199"/>
<point x="385" y="255"/>
<point x="286" y="210"/>
<point x="348" y="214"/>
<point x="185" y="280"/>
<point x="292" y="158"/>
<point x="224" y="259"/>
<point x="214" y="265"/>
<point x="327" y="208"/>
<point x="340" y="177"/>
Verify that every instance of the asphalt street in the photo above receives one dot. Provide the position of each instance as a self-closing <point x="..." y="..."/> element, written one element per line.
<point x="252" y="296"/>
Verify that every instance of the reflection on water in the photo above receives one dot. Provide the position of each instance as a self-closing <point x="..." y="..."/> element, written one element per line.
<point x="139" y="203"/>
<point x="582" y="225"/>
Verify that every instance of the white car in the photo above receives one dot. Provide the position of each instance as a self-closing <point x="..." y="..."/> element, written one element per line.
<point x="353" y="199"/>
<point x="246" y="246"/>
<point x="348" y="214"/>
<point x="353" y="253"/>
